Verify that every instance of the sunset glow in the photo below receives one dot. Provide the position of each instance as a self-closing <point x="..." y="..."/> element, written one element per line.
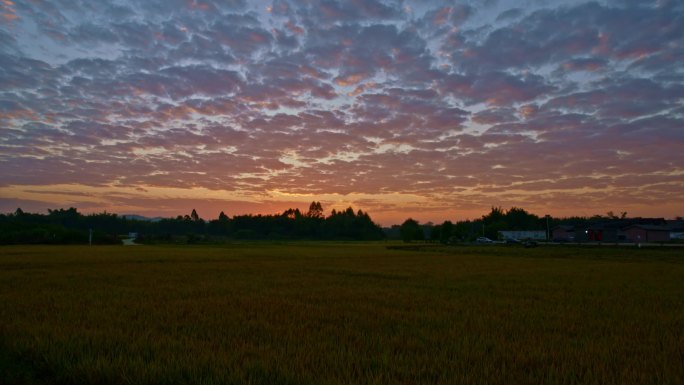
<point x="429" y="109"/>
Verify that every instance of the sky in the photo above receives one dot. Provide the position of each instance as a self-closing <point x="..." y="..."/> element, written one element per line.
<point x="434" y="110"/>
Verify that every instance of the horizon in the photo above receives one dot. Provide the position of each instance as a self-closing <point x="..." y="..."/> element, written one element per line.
<point x="327" y="212"/>
<point x="425" y="109"/>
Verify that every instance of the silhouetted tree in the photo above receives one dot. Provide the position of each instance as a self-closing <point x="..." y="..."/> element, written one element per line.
<point x="446" y="231"/>
<point x="315" y="210"/>
<point x="519" y="219"/>
<point x="411" y="231"/>
<point x="436" y="233"/>
<point x="292" y="214"/>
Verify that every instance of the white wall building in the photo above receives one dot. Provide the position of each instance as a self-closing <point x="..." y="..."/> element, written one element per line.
<point x="539" y="235"/>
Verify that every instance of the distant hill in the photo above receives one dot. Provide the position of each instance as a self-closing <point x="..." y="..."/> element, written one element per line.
<point x="141" y="218"/>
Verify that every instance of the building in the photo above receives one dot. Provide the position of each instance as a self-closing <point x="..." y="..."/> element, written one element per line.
<point x="539" y="235"/>
<point x="676" y="229"/>
<point x="606" y="232"/>
<point x="620" y="230"/>
<point x="647" y="233"/>
<point x="615" y="230"/>
<point x="563" y="233"/>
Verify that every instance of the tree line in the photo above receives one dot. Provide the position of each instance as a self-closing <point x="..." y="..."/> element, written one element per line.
<point x="489" y="225"/>
<point x="68" y="226"/>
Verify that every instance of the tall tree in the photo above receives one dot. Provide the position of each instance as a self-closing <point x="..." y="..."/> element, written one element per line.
<point x="315" y="210"/>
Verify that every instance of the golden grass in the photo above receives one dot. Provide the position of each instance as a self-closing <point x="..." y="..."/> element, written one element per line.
<point x="336" y="313"/>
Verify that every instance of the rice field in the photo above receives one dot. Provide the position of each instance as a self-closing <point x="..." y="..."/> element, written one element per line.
<point x="340" y="313"/>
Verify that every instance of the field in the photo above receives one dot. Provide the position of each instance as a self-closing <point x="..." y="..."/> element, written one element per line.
<point x="326" y="313"/>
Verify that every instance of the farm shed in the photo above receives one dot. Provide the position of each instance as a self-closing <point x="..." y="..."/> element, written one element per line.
<point x="647" y="233"/>
<point x="563" y="233"/>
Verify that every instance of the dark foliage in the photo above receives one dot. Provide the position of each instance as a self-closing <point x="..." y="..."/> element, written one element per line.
<point x="411" y="231"/>
<point x="71" y="227"/>
<point x="498" y="219"/>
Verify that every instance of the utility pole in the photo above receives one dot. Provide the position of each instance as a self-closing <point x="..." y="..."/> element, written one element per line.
<point x="548" y="233"/>
<point x="90" y="237"/>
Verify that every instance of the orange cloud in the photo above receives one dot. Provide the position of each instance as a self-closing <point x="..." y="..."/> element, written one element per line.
<point x="7" y="10"/>
<point x="19" y="114"/>
<point x="358" y="90"/>
<point x="349" y="80"/>
<point x="294" y="28"/>
<point x="441" y="16"/>
<point x="193" y="4"/>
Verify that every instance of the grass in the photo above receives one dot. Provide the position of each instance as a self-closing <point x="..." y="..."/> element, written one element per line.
<point x="325" y="313"/>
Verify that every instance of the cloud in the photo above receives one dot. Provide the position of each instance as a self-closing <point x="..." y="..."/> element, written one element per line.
<point x="448" y="107"/>
<point x="593" y="31"/>
<point x="355" y="10"/>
